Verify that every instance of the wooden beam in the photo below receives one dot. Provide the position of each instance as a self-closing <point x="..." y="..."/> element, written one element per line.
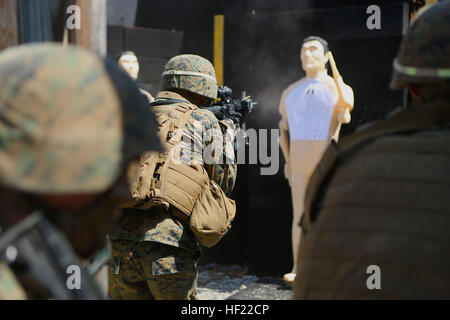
<point x="9" y="33"/>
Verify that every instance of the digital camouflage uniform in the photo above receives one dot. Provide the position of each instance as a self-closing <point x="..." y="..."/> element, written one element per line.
<point x="155" y="255"/>
<point x="70" y="123"/>
<point x="377" y="214"/>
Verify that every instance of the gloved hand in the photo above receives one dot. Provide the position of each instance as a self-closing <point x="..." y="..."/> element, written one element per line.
<point x="344" y="116"/>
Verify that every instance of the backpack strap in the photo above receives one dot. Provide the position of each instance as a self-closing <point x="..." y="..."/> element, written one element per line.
<point x="146" y="187"/>
<point x="408" y="121"/>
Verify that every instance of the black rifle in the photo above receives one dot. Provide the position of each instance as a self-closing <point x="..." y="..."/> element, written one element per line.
<point x="236" y="110"/>
<point x="39" y="255"/>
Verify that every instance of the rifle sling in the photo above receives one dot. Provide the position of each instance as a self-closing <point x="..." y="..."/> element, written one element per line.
<point x="166" y="101"/>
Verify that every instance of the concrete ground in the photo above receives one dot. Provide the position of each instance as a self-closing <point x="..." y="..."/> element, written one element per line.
<point x="219" y="282"/>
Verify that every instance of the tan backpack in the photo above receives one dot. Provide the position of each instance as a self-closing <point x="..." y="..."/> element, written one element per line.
<point x="161" y="181"/>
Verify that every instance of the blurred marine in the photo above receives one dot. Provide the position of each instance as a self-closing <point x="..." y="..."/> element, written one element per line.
<point x="70" y="123"/>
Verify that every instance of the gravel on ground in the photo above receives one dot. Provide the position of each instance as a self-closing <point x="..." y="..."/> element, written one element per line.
<point x="218" y="282"/>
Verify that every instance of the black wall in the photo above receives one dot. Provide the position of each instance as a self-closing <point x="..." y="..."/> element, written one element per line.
<point x="262" y="43"/>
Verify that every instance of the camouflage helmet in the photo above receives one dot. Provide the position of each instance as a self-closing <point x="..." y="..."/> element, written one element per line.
<point x="69" y="121"/>
<point x="191" y="73"/>
<point x="425" y="50"/>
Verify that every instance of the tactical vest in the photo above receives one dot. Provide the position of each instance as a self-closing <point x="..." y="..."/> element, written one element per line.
<point x="185" y="189"/>
<point x="380" y="197"/>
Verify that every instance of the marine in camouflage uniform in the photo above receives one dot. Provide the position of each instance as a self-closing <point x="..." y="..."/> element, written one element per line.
<point x="70" y="123"/>
<point x="380" y="198"/>
<point x="155" y="254"/>
<point x="128" y="62"/>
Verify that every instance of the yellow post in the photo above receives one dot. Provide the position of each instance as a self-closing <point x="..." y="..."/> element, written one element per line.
<point x="428" y="2"/>
<point x="219" y="23"/>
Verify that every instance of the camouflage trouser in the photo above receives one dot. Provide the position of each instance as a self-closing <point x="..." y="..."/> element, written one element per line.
<point x="148" y="270"/>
